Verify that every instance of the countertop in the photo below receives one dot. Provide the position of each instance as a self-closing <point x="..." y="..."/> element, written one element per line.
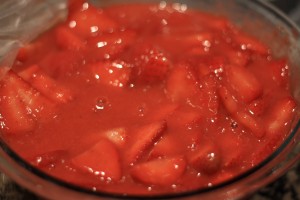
<point x="286" y="187"/>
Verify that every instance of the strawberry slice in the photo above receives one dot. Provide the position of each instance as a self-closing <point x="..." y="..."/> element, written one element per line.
<point x="143" y="139"/>
<point x="164" y="111"/>
<point x="281" y="116"/>
<point x="229" y="101"/>
<point x="66" y="39"/>
<point x="45" y="84"/>
<point x="115" y="73"/>
<point x="22" y="104"/>
<point x="207" y="96"/>
<point x="60" y="63"/>
<point x="101" y="160"/>
<point x="278" y="70"/>
<point x="181" y="84"/>
<point x="243" y="82"/>
<point x="163" y="172"/>
<point x="168" y="145"/>
<point x="151" y="63"/>
<point x="111" y="44"/>
<point x="14" y="117"/>
<point x="117" y="135"/>
<point x="89" y="21"/>
<point x="206" y="158"/>
<point x="251" y="123"/>
<point x="250" y="43"/>
<point x="233" y="107"/>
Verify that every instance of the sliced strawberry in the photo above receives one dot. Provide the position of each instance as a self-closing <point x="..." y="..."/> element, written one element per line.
<point x="239" y="58"/>
<point x="23" y="103"/>
<point x="188" y="117"/>
<point x="66" y="39"/>
<point x="89" y="21"/>
<point x="281" y="116"/>
<point x="163" y="112"/>
<point x="163" y="172"/>
<point x="251" y="123"/>
<point x="101" y="160"/>
<point x="14" y="117"/>
<point x="207" y="96"/>
<point x="109" y="45"/>
<point x="151" y="63"/>
<point x="251" y="43"/>
<point x="232" y="151"/>
<point x="49" y="159"/>
<point x="60" y="63"/>
<point x="168" y="145"/>
<point x="229" y="101"/>
<point x="117" y="135"/>
<point x="257" y="107"/>
<point x="278" y="70"/>
<point x="115" y="73"/>
<point x="143" y="139"/>
<point x="243" y="82"/>
<point x="206" y="158"/>
<point x="33" y="100"/>
<point x="181" y="84"/>
<point x="45" y="84"/>
<point x="232" y="106"/>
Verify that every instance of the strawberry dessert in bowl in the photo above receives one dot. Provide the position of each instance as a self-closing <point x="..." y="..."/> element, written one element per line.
<point x="153" y="99"/>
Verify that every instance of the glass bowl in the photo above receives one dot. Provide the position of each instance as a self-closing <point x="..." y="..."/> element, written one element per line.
<point x="256" y="17"/>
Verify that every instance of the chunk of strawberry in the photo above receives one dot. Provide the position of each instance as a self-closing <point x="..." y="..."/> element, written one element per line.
<point x="239" y="58"/>
<point x="281" y="116"/>
<point x="109" y="45"/>
<point x="257" y="107"/>
<point x="115" y="73"/>
<point x="206" y="158"/>
<point x="181" y="84"/>
<point x="143" y="140"/>
<point x="60" y="63"/>
<point x="167" y="146"/>
<point x="101" y="160"/>
<point x="229" y="101"/>
<point x="163" y="112"/>
<point x="278" y="70"/>
<point x="66" y="39"/>
<point x="117" y="135"/>
<point x="250" y="43"/>
<point x="251" y="123"/>
<point x="207" y="97"/>
<point x="14" y="117"/>
<point x="188" y="117"/>
<point x="89" y="21"/>
<point x="45" y="84"/>
<point x="243" y="82"/>
<point x="151" y="63"/>
<point x="233" y="107"/>
<point x="22" y="104"/>
<point x="163" y="172"/>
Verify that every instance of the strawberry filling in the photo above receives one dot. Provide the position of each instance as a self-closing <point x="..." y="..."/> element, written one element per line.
<point x="145" y="99"/>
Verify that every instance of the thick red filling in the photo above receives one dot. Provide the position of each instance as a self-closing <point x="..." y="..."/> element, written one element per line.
<point x="144" y="99"/>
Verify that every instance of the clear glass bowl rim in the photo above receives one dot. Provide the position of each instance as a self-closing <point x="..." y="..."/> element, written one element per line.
<point x="21" y="162"/>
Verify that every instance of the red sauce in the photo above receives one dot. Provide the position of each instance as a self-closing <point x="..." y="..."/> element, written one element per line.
<point x="145" y="99"/>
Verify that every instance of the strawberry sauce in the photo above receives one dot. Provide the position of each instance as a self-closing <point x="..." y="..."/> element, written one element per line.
<point x="145" y="99"/>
